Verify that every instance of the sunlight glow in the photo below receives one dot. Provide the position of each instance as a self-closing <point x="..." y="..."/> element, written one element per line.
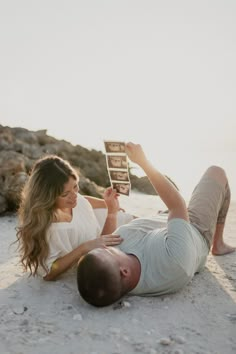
<point x="157" y="73"/>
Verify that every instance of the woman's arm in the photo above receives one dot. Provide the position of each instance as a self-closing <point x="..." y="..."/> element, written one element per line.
<point x="111" y="203"/>
<point x="66" y="262"/>
<point x="96" y="202"/>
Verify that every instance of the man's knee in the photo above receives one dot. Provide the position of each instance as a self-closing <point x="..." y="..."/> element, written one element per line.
<point x="217" y="173"/>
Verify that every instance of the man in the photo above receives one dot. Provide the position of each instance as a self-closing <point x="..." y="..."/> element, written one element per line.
<point x="152" y="261"/>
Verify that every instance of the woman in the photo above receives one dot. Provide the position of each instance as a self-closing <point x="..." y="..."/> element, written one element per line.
<point x="57" y="225"/>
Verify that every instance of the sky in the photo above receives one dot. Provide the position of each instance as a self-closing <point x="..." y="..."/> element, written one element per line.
<point x="158" y="73"/>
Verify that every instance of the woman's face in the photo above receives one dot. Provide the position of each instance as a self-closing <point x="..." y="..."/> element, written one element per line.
<point x="68" y="198"/>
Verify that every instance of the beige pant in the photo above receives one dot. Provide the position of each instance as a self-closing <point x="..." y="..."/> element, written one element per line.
<point x="208" y="206"/>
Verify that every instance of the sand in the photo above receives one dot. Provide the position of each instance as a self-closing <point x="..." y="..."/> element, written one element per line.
<point x="50" y="317"/>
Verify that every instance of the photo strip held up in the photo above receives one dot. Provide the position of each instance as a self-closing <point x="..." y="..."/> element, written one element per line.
<point x="117" y="166"/>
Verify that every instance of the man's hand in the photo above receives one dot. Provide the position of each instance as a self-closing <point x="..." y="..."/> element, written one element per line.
<point x="135" y="153"/>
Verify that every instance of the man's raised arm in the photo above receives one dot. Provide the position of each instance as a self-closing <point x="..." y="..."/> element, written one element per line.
<point x="164" y="188"/>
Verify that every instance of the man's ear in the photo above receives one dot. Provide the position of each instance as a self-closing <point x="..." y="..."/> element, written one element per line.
<point x="124" y="272"/>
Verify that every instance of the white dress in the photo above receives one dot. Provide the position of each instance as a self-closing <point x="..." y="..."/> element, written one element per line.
<point x="86" y="224"/>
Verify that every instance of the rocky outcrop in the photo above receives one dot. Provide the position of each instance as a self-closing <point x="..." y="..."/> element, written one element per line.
<point x="20" y="148"/>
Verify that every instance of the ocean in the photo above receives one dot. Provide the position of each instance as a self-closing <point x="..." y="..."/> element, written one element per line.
<point x="142" y="205"/>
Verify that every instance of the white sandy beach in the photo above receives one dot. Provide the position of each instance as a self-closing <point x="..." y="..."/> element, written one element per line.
<point x="38" y="317"/>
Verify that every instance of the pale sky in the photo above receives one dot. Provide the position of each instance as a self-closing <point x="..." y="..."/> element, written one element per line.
<point x="158" y="73"/>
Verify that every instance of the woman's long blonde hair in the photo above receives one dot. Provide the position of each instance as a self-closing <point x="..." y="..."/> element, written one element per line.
<point x="45" y="183"/>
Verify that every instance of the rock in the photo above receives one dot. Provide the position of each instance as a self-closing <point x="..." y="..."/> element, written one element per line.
<point x="165" y="341"/>
<point x="19" y="309"/>
<point x="20" y="148"/>
<point x="78" y="317"/>
<point x="232" y="317"/>
<point x="178" y="339"/>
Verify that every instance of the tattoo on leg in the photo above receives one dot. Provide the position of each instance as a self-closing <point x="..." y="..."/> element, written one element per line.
<point x="225" y="206"/>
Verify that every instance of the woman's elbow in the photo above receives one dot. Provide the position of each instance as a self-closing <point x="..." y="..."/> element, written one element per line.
<point x="49" y="277"/>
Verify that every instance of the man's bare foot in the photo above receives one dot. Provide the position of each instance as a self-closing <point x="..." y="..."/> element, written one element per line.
<point x="221" y="249"/>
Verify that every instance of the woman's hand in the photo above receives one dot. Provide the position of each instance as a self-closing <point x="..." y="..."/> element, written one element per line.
<point x="111" y="199"/>
<point x="104" y="241"/>
<point x="62" y="264"/>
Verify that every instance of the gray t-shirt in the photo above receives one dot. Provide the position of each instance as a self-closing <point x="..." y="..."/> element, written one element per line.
<point x="169" y="256"/>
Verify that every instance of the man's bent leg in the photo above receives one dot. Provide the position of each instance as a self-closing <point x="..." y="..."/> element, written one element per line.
<point x="208" y="208"/>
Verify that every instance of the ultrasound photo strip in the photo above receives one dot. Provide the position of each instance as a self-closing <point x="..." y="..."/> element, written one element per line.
<point x="117" y="166"/>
